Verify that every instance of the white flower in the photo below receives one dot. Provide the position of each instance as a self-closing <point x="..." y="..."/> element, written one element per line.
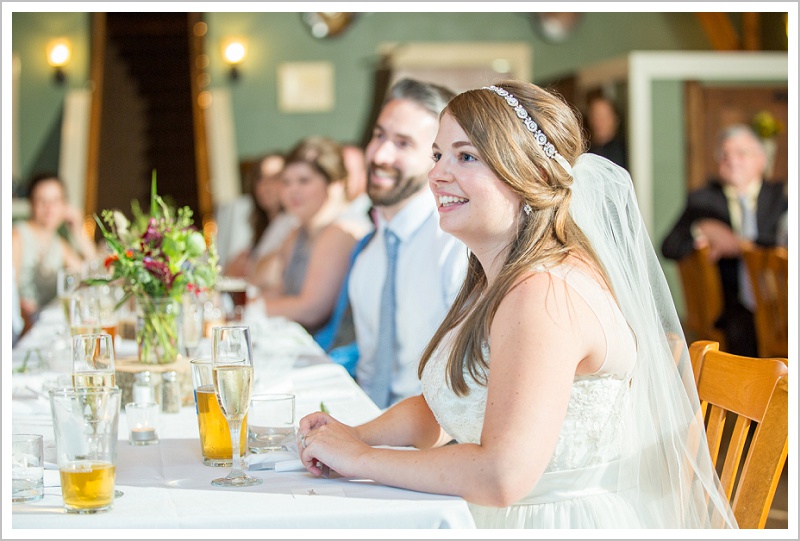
<point x="121" y="224"/>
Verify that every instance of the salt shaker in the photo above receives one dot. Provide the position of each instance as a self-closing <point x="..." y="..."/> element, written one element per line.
<point x="143" y="388"/>
<point x="170" y="392"/>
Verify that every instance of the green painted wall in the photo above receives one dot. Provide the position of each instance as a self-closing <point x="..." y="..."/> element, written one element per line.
<point x="669" y="171"/>
<point x="41" y="99"/>
<point x="279" y="37"/>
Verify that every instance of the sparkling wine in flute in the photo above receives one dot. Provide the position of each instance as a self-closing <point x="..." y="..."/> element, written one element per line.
<point x="233" y="385"/>
<point x="232" y="374"/>
<point x="93" y="379"/>
<point x="65" y="302"/>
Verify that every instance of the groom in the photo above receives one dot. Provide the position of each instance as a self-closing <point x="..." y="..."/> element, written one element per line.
<point x="405" y="278"/>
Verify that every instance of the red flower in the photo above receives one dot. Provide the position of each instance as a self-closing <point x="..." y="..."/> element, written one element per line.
<point x="110" y="260"/>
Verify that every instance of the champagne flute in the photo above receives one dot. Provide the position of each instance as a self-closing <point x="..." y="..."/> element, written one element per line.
<point x="84" y="313"/>
<point x="192" y="324"/>
<point x="67" y="284"/>
<point x="232" y="362"/>
<point x="93" y="360"/>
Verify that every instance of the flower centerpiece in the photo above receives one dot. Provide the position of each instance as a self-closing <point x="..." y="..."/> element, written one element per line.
<point x="156" y="258"/>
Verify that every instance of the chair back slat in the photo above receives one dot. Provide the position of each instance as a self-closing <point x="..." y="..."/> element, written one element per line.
<point x="733" y="454"/>
<point x="715" y="428"/>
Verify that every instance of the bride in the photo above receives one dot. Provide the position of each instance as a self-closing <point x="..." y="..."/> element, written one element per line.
<point x="558" y="392"/>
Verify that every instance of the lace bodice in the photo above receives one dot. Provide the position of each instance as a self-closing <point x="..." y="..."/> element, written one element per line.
<point x="593" y="429"/>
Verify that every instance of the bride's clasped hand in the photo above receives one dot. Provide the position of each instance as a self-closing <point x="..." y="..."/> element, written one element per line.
<point x="326" y="444"/>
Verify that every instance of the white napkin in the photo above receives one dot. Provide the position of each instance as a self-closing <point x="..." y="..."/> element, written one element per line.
<point x="274" y="460"/>
<point x="287" y="459"/>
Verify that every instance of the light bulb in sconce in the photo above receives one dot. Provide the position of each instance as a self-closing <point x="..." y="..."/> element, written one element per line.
<point x="234" y="51"/>
<point x="59" y="52"/>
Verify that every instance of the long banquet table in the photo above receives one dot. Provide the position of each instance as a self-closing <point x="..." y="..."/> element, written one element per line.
<point x="167" y="486"/>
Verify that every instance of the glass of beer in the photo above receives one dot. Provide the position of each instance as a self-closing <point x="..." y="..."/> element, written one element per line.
<point x="233" y="293"/>
<point x="109" y="317"/>
<point x="85" y="423"/>
<point x="93" y="360"/>
<point x="215" y="435"/>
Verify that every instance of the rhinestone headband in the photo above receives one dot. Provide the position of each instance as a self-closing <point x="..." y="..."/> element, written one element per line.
<point x="530" y="124"/>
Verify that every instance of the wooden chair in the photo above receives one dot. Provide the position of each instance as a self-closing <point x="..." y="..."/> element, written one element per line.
<point x="702" y="295"/>
<point x="754" y="390"/>
<point x="769" y="275"/>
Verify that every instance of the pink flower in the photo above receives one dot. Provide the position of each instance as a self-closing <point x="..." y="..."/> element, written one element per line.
<point x="152" y="235"/>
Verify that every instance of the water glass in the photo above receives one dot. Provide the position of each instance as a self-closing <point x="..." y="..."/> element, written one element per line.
<point x="270" y="422"/>
<point x="27" y="467"/>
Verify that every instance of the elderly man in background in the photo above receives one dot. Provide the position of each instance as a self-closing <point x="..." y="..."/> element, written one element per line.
<point x="737" y="208"/>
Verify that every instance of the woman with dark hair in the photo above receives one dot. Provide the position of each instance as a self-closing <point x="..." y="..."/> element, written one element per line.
<point x="52" y="238"/>
<point x="269" y="223"/>
<point x="553" y="393"/>
<point x="302" y="279"/>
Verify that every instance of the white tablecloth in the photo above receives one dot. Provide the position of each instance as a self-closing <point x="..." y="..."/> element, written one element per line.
<point x="167" y="486"/>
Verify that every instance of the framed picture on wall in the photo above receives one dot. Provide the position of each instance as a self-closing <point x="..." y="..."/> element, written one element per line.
<point x="458" y="66"/>
<point x="305" y="87"/>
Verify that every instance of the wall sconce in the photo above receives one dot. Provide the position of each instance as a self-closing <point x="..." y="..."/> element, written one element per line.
<point x="58" y="55"/>
<point x="234" y="50"/>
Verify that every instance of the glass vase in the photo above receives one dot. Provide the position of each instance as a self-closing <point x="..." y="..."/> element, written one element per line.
<point x="158" y="324"/>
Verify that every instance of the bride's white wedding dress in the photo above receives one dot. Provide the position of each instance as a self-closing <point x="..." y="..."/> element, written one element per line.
<point x="581" y="484"/>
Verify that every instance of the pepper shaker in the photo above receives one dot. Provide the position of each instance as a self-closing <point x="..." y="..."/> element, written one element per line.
<point x="170" y="392"/>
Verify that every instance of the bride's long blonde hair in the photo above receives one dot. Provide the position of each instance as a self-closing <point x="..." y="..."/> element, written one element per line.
<point x="544" y="237"/>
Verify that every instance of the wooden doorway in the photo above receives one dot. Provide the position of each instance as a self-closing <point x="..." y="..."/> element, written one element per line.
<point x="145" y="112"/>
<point x="711" y="108"/>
